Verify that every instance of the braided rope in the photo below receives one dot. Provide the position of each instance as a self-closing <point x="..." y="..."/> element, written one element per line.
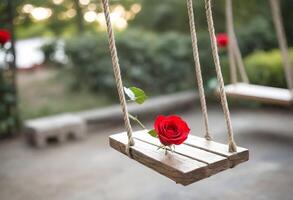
<point x="232" y="63"/>
<point x="277" y="18"/>
<point x="239" y="60"/>
<point x="117" y="74"/>
<point x="224" y="103"/>
<point x="198" y="69"/>
<point x="233" y="48"/>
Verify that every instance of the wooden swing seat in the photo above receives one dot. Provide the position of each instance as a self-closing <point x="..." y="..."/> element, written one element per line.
<point x="264" y="94"/>
<point x="192" y="161"/>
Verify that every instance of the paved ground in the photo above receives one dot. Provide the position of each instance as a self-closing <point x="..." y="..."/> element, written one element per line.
<point x="91" y="170"/>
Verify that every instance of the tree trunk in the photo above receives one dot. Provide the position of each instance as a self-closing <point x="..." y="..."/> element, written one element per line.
<point x="79" y="16"/>
<point x="12" y="65"/>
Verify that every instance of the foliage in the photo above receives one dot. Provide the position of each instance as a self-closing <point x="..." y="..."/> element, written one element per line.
<point x="49" y="50"/>
<point x="166" y="15"/>
<point x="257" y="35"/>
<point x="287" y="6"/>
<point x="159" y="63"/>
<point x="266" y="68"/>
<point x="60" y="22"/>
<point x="9" y="119"/>
<point x="136" y="94"/>
<point x="45" y="92"/>
<point x="162" y="63"/>
<point x="153" y="133"/>
<point x="263" y="68"/>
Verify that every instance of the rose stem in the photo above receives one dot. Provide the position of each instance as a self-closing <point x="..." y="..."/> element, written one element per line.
<point x="137" y="120"/>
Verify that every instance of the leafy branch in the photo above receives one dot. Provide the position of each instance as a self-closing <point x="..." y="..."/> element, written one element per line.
<point x="138" y="95"/>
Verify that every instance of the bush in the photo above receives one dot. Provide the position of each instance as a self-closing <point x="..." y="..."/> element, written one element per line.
<point x="258" y="34"/>
<point x="263" y="68"/>
<point x="159" y="63"/>
<point x="266" y="68"/>
<point x="53" y="51"/>
<point x="48" y="50"/>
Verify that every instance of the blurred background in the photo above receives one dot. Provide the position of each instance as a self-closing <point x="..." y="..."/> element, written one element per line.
<point x="57" y="61"/>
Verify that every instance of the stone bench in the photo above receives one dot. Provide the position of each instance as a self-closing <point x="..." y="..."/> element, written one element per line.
<point x="60" y="127"/>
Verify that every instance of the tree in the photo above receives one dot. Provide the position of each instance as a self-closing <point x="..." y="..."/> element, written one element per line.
<point x="9" y="117"/>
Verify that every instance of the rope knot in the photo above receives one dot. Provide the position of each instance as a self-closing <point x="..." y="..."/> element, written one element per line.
<point x="232" y="147"/>
<point x="208" y="137"/>
<point x="128" y="149"/>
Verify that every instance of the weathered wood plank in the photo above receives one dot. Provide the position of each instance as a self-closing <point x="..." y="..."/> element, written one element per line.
<point x="194" y="160"/>
<point x="216" y="163"/>
<point x="238" y="157"/>
<point x="264" y="94"/>
<point x="179" y="168"/>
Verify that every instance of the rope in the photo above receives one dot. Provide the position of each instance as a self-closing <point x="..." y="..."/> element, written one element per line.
<point x="224" y="103"/>
<point x="198" y="68"/>
<point x="277" y="18"/>
<point x="233" y="71"/>
<point x="117" y="74"/>
<point x="239" y="60"/>
<point x="233" y="48"/>
<point x="232" y="62"/>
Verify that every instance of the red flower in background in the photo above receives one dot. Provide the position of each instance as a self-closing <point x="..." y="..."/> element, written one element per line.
<point x="222" y="39"/>
<point x="171" y="129"/>
<point x="4" y="36"/>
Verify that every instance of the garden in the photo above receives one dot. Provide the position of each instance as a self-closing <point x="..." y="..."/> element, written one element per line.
<point x="55" y="62"/>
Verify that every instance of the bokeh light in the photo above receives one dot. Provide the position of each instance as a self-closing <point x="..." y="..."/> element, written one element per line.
<point x="27" y="8"/>
<point x="84" y="2"/>
<point x="57" y="2"/>
<point x="41" y="13"/>
<point x="90" y="16"/>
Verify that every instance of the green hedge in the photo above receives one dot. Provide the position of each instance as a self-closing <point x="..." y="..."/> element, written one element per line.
<point x="266" y="68"/>
<point x="258" y="34"/>
<point x="158" y="63"/>
<point x="263" y="68"/>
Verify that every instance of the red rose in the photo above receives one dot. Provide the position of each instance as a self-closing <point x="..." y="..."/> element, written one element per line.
<point x="171" y="129"/>
<point x="222" y="39"/>
<point x="4" y="36"/>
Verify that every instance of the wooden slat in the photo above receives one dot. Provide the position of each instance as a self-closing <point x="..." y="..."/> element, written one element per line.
<point x="264" y="94"/>
<point x="192" y="161"/>
<point x="179" y="168"/>
<point x="240" y="156"/>
<point x="216" y="163"/>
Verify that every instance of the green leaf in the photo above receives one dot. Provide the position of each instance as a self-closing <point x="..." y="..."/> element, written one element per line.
<point x="136" y="94"/>
<point x="140" y="95"/>
<point x="153" y="133"/>
<point x="129" y="93"/>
